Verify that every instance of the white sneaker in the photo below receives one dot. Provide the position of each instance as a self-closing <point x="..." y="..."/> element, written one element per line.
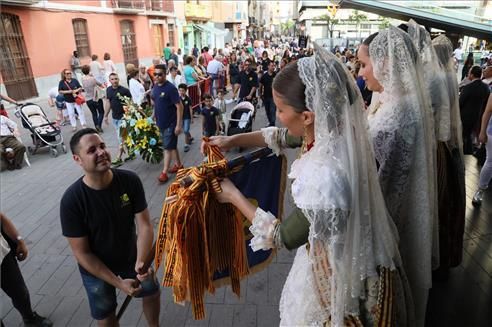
<point x="478" y="197"/>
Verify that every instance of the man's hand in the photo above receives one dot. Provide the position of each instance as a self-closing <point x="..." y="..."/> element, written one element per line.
<point x="106" y="120"/>
<point x="141" y="273"/>
<point x="178" y="130"/>
<point x="249" y="97"/>
<point x="128" y="286"/>
<point x="21" y="252"/>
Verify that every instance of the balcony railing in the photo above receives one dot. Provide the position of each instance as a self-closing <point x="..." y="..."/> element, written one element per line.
<point x="128" y="4"/>
<point x="19" y="2"/>
<point x="155" y="5"/>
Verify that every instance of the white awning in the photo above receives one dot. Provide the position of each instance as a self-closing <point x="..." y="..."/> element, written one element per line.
<point x="211" y="29"/>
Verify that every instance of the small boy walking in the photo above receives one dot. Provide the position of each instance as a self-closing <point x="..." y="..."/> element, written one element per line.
<point x="210" y="117"/>
<point x="220" y="104"/>
<point x="187" y="115"/>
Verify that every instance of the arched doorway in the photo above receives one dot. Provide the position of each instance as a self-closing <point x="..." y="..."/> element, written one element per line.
<point x="129" y="42"/>
<point x="15" y="65"/>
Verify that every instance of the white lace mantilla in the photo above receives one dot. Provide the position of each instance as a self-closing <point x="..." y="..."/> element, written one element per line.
<point x="404" y="146"/>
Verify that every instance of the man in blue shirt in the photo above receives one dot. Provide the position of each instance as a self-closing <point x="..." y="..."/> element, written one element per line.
<point x="168" y="113"/>
<point x="113" y="94"/>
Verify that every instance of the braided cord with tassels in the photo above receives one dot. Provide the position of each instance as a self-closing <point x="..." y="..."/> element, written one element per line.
<point x="199" y="235"/>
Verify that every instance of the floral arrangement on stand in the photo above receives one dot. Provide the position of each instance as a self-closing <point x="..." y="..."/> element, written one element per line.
<point x="140" y="133"/>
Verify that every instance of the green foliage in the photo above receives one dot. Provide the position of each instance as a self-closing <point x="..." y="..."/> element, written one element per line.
<point x="385" y="23"/>
<point x="357" y="17"/>
<point x="286" y="26"/>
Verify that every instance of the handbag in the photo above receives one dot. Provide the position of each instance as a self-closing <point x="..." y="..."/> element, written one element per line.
<point x="79" y="98"/>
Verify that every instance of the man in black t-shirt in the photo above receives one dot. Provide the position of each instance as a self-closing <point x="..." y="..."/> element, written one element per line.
<point x="98" y="216"/>
<point x="249" y="82"/>
<point x="267" y="94"/>
<point x="114" y="94"/>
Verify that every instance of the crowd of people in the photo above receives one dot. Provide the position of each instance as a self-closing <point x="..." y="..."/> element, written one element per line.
<point x="378" y="187"/>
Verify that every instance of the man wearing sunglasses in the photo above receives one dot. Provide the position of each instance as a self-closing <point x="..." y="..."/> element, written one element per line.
<point x="168" y="113"/>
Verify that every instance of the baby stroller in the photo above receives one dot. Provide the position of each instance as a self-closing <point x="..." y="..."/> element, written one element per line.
<point x="43" y="132"/>
<point x="241" y="120"/>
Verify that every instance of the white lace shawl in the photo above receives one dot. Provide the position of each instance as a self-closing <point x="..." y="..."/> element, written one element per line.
<point x="400" y="126"/>
<point x="435" y="81"/>
<point x="444" y="51"/>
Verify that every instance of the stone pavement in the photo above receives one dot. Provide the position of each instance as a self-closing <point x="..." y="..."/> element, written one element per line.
<point x="30" y="197"/>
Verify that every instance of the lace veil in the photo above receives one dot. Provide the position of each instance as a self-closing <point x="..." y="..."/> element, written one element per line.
<point x="444" y="52"/>
<point x="404" y="140"/>
<point x="355" y="232"/>
<point x="434" y="78"/>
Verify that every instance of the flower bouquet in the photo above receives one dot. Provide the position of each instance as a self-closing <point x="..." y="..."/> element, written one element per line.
<point x="140" y="133"/>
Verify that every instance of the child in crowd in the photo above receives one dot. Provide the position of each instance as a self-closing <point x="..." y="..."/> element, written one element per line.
<point x="55" y="99"/>
<point x="220" y="104"/>
<point x="187" y="114"/>
<point x="210" y="117"/>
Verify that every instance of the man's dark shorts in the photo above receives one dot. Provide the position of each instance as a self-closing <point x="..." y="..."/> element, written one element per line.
<point x="102" y="296"/>
<point x="169" y="139"/>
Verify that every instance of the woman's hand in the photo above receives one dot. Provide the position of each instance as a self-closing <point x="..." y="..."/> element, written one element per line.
<point x="224" y="143"/>
<point x="229" y="191"/>
<point x="21" y="252"/>
<point x="482" y="138"/>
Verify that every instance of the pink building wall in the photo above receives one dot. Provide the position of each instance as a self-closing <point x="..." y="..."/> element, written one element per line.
<point x="50" y="39"/>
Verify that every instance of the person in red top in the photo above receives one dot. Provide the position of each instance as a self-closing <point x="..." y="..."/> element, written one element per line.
<point x="206" y="56"/>
<point x="151" y="69"/>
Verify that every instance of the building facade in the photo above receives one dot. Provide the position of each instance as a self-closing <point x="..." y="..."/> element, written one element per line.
<point x="37" y="38"/>
<point x="210" y="23"/>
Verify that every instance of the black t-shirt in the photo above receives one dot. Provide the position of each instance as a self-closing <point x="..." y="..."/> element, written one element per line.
<point x="248" y="81"/>
<point x="106" y="217"/>
<point x="210" y="124"/>
<point x="186" y="107"/>
<point x="62" y="86"/>
<point x="116" y="103"/>
<point x="264" y="64"/>
<point x="233" y="69"/>
<point x="266" y="81"/>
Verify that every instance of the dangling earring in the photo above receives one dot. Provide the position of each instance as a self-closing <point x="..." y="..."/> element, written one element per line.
<point x="304" y="144"/>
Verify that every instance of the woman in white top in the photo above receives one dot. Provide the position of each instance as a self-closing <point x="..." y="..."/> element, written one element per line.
<point x="97" y="70"/>
<point x="109" y="67"/>
<point x="136" y="88"/>
<point x="174" y="78"/>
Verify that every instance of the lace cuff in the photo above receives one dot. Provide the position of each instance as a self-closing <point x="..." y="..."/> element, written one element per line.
<point x="265" y="230"/>
<point x="274" y="138"/>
